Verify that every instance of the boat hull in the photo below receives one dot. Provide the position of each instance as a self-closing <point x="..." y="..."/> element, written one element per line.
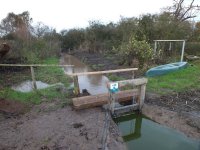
<point x="164" y="69"/>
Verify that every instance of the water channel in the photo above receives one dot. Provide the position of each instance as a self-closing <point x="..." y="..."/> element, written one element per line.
<point x="95" y="84"/>
<point x="139" y="132"/>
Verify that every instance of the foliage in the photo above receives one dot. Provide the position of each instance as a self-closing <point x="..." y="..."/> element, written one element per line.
<point x="134" y="49"/>
<point x="72" y="39"/>
<point x="192" y="48"/>
<point x="28" y="42"/>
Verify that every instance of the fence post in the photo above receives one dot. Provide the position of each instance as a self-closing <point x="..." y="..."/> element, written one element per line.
<point x="33" y="78"/>
<point x="76" y="85"/>
<point x="142" y="95"/>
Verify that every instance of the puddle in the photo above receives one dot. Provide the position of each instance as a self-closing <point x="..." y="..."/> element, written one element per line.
<point x="140" y="133"/>
<point x="27" y="86"/>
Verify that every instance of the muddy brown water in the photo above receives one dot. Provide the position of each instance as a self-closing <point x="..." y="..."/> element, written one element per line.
<point x="95" y="84"/>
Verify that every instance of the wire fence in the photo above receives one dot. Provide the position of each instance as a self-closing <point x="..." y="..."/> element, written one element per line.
<point x="33" y="83"/>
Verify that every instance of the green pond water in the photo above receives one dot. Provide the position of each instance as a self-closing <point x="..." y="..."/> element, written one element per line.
<point x="140" y="133"/>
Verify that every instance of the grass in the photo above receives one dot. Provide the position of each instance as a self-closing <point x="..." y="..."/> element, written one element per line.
<point x="97" y="66"/>
<point x="50" y="75"/>
<point x="178" y="81"/>
<point x="113" y="77"/>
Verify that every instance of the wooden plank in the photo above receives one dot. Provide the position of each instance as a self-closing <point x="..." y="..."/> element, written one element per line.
<point x="142" y="96"/>
<point x="101" y="99"/>
<point x="34" y="65"/>
<point x="76" y="85"/>
<point x="103" y="72"/>
<point x="133" y="106"/>
<point x="124" y="109"/>
<point x="135" y="82"/>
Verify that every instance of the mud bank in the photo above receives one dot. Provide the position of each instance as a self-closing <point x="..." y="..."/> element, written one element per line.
<point x="50" y="127"/>
<point x="99" y="61"/>
<point x="184" y="122"/>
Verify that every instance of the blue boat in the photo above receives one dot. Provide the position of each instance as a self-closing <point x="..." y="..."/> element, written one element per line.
<point x="164" y="69"/>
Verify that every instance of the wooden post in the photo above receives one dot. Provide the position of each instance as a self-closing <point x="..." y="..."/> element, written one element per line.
<point x="142" y="95"/>
<point x="33" y="78"/>
<point x="76" y="85"/>
<point x="133" y="75"/>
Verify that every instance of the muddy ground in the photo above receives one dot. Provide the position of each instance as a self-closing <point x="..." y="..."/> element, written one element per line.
<point x="48" y="126"/>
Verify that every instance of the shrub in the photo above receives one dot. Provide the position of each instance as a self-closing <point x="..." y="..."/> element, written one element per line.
<point x="134" y="49"/>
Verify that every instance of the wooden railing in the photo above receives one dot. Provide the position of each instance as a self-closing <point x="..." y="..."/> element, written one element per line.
<point x="32" y="69"/>
<point x="75" y="75"/>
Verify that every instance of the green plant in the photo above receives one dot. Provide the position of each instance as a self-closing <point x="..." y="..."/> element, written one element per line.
<point x="134" y="49"/>
<point x="112" y="77"/>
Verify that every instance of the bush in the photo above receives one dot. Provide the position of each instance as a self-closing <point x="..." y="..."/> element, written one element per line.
<point x="192" y="48"/>
<point x="134" y="49"/>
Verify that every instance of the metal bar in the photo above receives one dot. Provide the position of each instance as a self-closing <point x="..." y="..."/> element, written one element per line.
<point x="170" y="40"/>
<point x="182" y="53"/>
<point x="155" y="47"/>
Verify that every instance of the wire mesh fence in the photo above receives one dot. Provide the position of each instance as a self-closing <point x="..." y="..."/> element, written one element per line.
<point x="33" y="83"/>
<point x="168" y="51"/>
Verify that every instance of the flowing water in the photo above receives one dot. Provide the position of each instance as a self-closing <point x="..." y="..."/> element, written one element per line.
<point x="138" y="132"/>
<point x="95" y="84"/>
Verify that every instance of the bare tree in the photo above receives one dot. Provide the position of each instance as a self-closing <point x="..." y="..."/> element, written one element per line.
<point x="182" y="12"/>
<point x="40" y="30"/>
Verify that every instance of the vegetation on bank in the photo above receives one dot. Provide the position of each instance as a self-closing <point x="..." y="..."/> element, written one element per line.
<point x="180" y="81"/>
<point x="49" y="75"/>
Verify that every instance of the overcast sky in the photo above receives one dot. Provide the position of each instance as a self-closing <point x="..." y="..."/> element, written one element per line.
<point x="65" y="14"/>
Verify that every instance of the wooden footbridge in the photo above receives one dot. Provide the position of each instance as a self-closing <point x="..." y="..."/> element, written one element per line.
<point x="136" y="94"/>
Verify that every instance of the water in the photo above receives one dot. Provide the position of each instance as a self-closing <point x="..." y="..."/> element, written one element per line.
<point x="27" y="86"/>
<point x="140" y="133"/>
<point x="95" y="84"/>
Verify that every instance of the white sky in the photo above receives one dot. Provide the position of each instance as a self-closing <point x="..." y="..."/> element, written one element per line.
<point x="65" y="14"/>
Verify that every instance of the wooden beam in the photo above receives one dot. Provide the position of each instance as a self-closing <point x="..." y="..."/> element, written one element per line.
<point x="33" y="78"/>
<point x="103" y="72"/>
<point x="101" y="99"/>
<point x="135" y="82"/>
<point x="142" y="96"/>
<point x="34" y="65"/>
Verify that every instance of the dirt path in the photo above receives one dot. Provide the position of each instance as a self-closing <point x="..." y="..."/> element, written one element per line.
<point x="49" y="127"/>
